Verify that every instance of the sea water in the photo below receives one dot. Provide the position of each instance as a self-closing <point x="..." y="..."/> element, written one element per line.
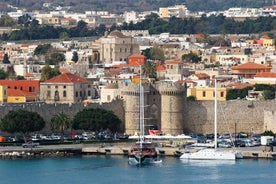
<point x="115" y="170"/>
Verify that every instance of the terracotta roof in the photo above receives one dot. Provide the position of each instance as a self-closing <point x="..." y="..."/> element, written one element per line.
<point x="13" y="92"/>
<point x="136" y="63"/>
<point x="174" y="62"/>
<point x="160" y="68"/>
<point x="202" y="76"/>
<point x="186" y="81"/>
<point x="265" y="37"/>
<point x="250" y="65"/>
<point x="239" y="86"/>
<point x="113" y="71"/>
<point x="67" y="78"/>
<point x="266" y="74"/>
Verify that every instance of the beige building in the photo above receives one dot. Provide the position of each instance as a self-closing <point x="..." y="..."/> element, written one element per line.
<point x="3" y="93"/>
<point x="207" y="94"/>
<point x="116" y="47"/>
<point x="110" y="92"/>
<point x="66" y="88"/>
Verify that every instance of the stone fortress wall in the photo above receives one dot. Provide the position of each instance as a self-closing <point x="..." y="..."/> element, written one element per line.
<point x="167" y="108"/>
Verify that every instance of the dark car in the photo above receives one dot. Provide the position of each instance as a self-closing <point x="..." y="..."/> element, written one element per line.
<point x="239" y="143"/>
<point x="273" y="143"/>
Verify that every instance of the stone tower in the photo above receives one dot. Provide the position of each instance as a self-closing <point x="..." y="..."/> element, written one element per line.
<point x="164" y="106"/>
<point x="130" y="92"/>
<point x="173" y="99"/>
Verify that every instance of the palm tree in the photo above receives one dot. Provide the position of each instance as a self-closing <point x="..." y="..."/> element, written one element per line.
<point x="149" y="69"/>
<point x="61" y="121"/>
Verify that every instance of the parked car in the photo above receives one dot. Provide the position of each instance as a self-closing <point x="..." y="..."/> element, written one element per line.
<point x="224" y="144"/>
<point x="239" y="143"/>
<point x="30" y="144"/>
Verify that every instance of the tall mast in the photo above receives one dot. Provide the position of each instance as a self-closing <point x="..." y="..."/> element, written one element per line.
<point x="141" y="107"/>
<point x="215" y="114"/>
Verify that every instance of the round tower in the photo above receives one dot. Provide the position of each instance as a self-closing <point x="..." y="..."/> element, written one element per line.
<point x="130" y="93"/>
<point x="173" y="97"/>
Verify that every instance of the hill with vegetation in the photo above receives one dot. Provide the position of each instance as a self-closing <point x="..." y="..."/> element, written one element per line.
<point x="119" y="6"/>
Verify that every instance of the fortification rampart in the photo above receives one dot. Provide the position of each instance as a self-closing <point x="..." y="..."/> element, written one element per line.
<point x="198" y="117"/>
<point x="47" y="111"/>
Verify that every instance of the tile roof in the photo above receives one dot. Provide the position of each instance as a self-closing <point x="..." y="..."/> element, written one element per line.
<point x="174" y="62"/>
<point x="239" y="86"/>
<point x="250" y="65"/>
<point x="266" y="74"/>
<point x="202" y="76"/>
<point x="160" y="68"/>
<point x="67" y="78"/>
<point x="14" y="92"/>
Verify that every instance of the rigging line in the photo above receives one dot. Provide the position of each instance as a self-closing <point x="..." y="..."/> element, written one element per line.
<point x="226" y="122"/>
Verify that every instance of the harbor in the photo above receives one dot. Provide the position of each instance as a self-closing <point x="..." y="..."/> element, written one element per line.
<point x="45" y="151"/>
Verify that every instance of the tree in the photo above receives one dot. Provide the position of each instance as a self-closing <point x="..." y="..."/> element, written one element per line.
<point x="3" y="74"/>
<point x="6" y="59"/>
<point x="22" y="121"/>
<point x="42" y="49"/>
<point x="156" y="54"/>
<point x="75" y="57"/>
<point x="47" y="72"/>
<point x="191" y="57"/>
<point x="61" y="122"/>
<point x="149" y="69"/>
<point x="96" y="120"/>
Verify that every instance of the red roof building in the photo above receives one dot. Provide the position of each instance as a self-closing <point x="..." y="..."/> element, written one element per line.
<point x="249" y="70"/>
<point x="22" y="88"/>
<point x="66" y="88"/>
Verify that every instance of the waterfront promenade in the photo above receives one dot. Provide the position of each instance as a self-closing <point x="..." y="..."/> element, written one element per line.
<point x="7" y="152"/>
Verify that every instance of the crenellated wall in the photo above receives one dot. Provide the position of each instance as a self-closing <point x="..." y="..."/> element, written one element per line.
<point x="185" y="117"/>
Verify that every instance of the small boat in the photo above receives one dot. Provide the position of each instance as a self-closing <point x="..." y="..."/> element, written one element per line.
<point x="142" y="153"/>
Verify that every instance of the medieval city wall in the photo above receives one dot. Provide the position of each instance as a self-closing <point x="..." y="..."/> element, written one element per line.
<point x="198" y="117"/>
<point x="233" y="116"/>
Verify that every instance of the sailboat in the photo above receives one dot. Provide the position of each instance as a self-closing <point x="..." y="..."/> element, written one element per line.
<point x="211" y="153"/>
<point x="142" y="152"/>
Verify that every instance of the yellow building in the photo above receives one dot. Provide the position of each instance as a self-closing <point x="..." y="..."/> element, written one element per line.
<point x="3" y="93"/>
<point x="267" y="42"/>
<point x="207" y="93"/>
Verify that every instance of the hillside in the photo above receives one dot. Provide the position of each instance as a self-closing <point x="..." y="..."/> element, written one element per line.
<point x="119" y="6"/>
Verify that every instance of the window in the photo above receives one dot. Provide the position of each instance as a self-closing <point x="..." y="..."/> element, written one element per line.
<point x="15" y="87"/>
<point x="21" y="88"/>
<point x="80" y="93"/>
<point x="64" y="94"/>
<point x="48" y="93"/>
<point x="77" y="94"/>
<point x="89" y="93"/>
<point x="108" y="98"/>
<point x="49" y="87"/>
<point x="56" y="87"/>
<point x="222" y="94"/>
<point x="64" y="87"/>
<point x="203" y="93"/>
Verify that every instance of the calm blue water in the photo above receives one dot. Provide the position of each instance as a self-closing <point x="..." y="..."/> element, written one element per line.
<point x="115" y="170"/>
